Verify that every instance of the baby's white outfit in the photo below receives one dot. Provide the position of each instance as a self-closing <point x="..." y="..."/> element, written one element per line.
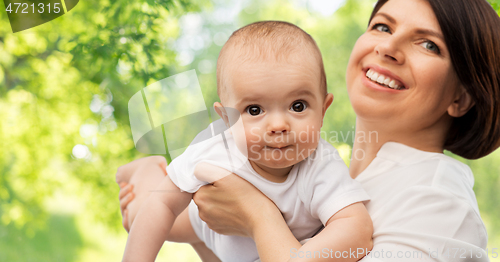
<point x="315" y="189"/>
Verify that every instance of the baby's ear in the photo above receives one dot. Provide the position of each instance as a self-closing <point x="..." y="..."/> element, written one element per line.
<point x="326" y="105"/>
<point x="221" y="111"/>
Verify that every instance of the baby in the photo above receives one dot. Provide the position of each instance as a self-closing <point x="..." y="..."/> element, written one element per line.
<point x="272" y="87"/>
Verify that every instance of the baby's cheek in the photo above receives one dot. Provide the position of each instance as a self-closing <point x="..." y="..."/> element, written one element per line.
<point x="253" y="139"/>
<point x="309" y="135"/>
<point x="252" y="142"/>
<point x="253" y="135"/>
<point x="308" y="140"/>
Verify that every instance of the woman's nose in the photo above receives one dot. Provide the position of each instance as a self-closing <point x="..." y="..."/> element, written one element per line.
<point x="277" y="124"/>
<point x="390" y="50"/>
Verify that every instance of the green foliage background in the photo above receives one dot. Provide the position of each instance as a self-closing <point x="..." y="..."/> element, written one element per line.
<point x="68" y="82"/>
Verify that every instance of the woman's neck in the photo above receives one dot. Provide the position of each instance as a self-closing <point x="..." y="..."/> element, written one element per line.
<point x="370" y="137"/>
<point x="364" y="151"/>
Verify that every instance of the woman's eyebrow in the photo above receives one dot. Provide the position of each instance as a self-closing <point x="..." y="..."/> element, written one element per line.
<point x="388" y="17"/>
<point x="422" y="31"/>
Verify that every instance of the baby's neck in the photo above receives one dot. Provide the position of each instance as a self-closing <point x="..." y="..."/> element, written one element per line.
<point x="276" y="175"/>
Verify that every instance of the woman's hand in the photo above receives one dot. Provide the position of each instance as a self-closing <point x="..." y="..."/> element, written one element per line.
<point x="232" y="206"/>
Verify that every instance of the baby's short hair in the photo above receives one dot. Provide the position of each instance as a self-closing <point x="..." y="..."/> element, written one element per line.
<point x="267" y="40"/>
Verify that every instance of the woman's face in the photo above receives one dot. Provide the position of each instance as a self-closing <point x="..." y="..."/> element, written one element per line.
<point x="403" y="48"/>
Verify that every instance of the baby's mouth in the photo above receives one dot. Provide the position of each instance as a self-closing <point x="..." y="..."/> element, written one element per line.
<point x="384" y="80"/>
<point x="279" y="147"/>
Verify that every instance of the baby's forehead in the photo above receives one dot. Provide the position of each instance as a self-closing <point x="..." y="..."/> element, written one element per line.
<point x="264" y="79"/>
<point x="251" y="57"/>
<point x="269" y="52"/>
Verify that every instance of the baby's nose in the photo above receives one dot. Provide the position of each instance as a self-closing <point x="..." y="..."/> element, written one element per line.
<point x="278" y="125"/>
<point x="278" y="131"/>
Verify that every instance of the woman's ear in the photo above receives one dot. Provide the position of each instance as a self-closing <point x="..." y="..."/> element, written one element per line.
<point x="461" y="103"/>
<point x="221" y="111"/>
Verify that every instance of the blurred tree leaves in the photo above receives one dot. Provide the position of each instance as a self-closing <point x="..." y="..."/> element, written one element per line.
<point x="95" y="56"/>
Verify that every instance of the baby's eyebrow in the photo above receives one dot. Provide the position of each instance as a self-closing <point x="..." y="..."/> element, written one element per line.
<point x="256" y="99"/>
<point x="302" y="92"/>
<point x="248" y="99"/>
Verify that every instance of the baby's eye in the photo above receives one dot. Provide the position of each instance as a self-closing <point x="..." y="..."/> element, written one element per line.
<point x="298" y="106"/>
<point x="382" y="28"/>
<point x="254" y="110"/>
<point x="431" y="46"/>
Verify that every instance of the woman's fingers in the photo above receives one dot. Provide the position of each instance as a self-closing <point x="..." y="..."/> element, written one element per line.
<point x="125" y="190"/>
<point x="125" y="220"/>
<point x="126" y="200"/>
<point x="138" y="176"/>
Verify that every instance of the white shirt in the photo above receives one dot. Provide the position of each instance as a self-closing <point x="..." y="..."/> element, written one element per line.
<point x="423" y="207"/>
<point x="315" y="189"/>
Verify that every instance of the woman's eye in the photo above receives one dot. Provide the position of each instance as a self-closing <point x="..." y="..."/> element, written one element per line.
<point x="429" y="45"/>
<point x="382" y="28"/>
<point x="254" y="110"/>
<point x="298" y="106"/>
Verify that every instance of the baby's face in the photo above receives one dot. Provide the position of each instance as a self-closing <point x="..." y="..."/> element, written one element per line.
<point x="281" y="107"/>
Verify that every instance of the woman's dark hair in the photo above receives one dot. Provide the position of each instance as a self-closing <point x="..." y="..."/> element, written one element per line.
<point x="471" y="29"/>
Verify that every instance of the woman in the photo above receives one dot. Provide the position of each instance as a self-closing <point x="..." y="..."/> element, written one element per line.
<point x="444" y="56"/>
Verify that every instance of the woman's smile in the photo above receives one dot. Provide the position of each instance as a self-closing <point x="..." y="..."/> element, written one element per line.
<point x="381" y="79"/>
<point x="384" y="80"/>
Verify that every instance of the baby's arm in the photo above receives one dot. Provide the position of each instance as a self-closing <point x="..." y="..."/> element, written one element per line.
<point x="346" y="231"/>
<point x="349" y="232"/>
<point x="154" y="221"/>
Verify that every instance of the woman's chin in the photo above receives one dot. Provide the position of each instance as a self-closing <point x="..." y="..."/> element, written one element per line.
<point x="370" y="108"/>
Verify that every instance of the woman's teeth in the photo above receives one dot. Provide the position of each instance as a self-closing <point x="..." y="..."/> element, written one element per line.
<point x="383" y="80"/>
